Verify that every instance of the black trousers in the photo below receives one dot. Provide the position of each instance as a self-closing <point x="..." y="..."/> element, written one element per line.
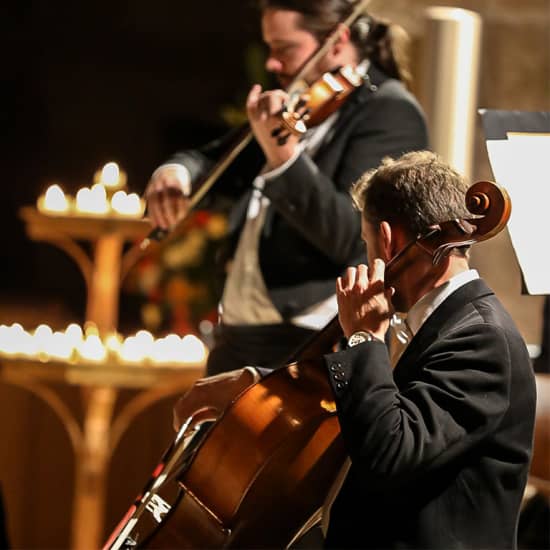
<point x="266" y="346"/>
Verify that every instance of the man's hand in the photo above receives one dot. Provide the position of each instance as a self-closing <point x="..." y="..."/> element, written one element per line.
<point x="166" y="195"/>
<point x="263" y="109"/>
<point x="363" y="302"/>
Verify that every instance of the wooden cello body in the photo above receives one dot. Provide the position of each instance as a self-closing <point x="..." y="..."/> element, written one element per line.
<point x="255" y="480"/>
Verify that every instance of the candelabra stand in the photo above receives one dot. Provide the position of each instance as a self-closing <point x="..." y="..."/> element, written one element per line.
<point x="94" y="439"/>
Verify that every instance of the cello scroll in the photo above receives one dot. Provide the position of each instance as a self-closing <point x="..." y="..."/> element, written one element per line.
<point x="492" y="206"/>
<point x="486" y="200"/>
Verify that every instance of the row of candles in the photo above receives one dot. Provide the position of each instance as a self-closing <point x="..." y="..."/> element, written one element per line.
<point x="74" y="345"/>
<point x="106" y="197"/>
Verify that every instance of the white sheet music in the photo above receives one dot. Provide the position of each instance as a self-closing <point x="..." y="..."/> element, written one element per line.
<point x="521" y="164"/>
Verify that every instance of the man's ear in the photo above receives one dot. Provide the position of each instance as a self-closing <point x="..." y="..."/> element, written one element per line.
<point x="393" y="239"/>
<point x="343" y="38"/>
<point x="387" y="240"/>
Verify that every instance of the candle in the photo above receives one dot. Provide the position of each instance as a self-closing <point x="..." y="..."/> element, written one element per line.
<point x="75" y="345"/>
<point x="54" y="200"/>
<point x="105" y="198"/>
<point x="111" y="176"/>
<point x="92" y="201"/>
<point x="127" y="204"/>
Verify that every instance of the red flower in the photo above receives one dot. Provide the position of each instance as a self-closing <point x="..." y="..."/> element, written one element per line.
<point x="201" y="217"/>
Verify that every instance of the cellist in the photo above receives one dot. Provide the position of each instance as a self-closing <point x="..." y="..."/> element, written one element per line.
<point x="293" y="228"/>
<point x="439" y="446"/>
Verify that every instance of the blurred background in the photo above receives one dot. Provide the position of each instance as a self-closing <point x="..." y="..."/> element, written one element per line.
<point x="85" y="83"/>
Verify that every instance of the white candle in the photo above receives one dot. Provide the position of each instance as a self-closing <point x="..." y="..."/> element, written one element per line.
<point x="54" y="200"/>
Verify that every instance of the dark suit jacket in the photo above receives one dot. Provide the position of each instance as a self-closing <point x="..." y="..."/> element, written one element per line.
<point x="312" y="231"/>
<point x="440" y="448"/>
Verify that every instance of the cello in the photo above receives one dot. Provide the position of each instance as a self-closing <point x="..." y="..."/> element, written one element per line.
<point x="255" y="472"/>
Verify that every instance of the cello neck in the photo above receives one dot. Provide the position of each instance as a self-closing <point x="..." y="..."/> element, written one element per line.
<point x="320" y="343"/>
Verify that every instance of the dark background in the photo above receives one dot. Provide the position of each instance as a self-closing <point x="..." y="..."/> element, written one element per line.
<point x="84" y="83"/>
<point x="81" y="84"/>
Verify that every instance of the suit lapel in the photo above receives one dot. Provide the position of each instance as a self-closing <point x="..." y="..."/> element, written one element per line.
<point x="429" y="331"/>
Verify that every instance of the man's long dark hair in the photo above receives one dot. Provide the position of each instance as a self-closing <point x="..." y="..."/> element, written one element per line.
<point x="383" y="43"/>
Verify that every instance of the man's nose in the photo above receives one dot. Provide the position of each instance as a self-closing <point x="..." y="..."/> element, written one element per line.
<point x="273" y="65"/>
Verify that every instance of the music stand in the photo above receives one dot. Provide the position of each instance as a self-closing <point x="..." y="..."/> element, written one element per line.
<point x="518" y="144"/>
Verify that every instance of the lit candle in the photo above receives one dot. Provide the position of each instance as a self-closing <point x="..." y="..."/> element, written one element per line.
<point x="59" y="346"/>
<point x="74" y="344"/>
<point x="127" y="204"/>
<point x="111" y="176"/>
<point x="92" y="349"/>
<point x="54" y="200"/>
<point x="92" y="201"/>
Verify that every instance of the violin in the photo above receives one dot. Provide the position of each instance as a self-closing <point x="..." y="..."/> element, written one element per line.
<point x="309" y="106"/>
<point x="255" y="473"/>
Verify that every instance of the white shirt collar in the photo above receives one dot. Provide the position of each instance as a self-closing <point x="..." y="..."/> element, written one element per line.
<point x="420" y="312"/>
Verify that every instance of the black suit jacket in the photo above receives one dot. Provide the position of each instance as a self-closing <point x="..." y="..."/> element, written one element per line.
<point x="312" y="231"/>
<point x="440" y="448"/>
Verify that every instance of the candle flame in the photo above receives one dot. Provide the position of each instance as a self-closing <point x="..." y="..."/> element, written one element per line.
<point x="110" y="175"/>
<point x="102" y="199"/>
<point x="127" y="204"/>
<point x="92" y="201"/>
<point x="54" y="200"/>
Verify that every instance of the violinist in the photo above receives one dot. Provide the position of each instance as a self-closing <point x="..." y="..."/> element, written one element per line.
<point x="293" y="228"/>
<point x="440" y="445"/>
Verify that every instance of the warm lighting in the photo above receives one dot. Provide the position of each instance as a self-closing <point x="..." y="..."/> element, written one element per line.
<point x="113" y="343"/>
<point x="76" y="345"/>
<point x="54" y="200"/>
<point x="188" y="349"/>
<point x="127" y="204"/>
<point x="105" y="198"/>
<point x="111" y="176"/>
<point x="74" y="333"/>
<point x="92" y="201"/>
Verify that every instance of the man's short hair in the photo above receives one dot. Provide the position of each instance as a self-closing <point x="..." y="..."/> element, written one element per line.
<point x="415" y="191"/>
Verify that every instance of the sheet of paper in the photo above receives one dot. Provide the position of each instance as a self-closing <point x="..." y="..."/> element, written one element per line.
<point x="521" y="164"/>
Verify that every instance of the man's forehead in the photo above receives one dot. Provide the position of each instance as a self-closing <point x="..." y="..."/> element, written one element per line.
<point x="276" y="24"/>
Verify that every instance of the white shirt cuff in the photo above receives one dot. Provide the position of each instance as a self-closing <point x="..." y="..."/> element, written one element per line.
<point x="181" y="174"/>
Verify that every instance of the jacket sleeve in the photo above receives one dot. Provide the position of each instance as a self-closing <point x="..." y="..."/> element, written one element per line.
<point x="238" y="175"/>
<point x="459" y="396"/>
<point x="317" y="205"/>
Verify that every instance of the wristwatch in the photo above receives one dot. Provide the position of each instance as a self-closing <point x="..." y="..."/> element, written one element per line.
<point x="359" y="337"/>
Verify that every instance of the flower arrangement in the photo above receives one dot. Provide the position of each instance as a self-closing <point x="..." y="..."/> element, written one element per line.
<point x="178" y="283"/>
